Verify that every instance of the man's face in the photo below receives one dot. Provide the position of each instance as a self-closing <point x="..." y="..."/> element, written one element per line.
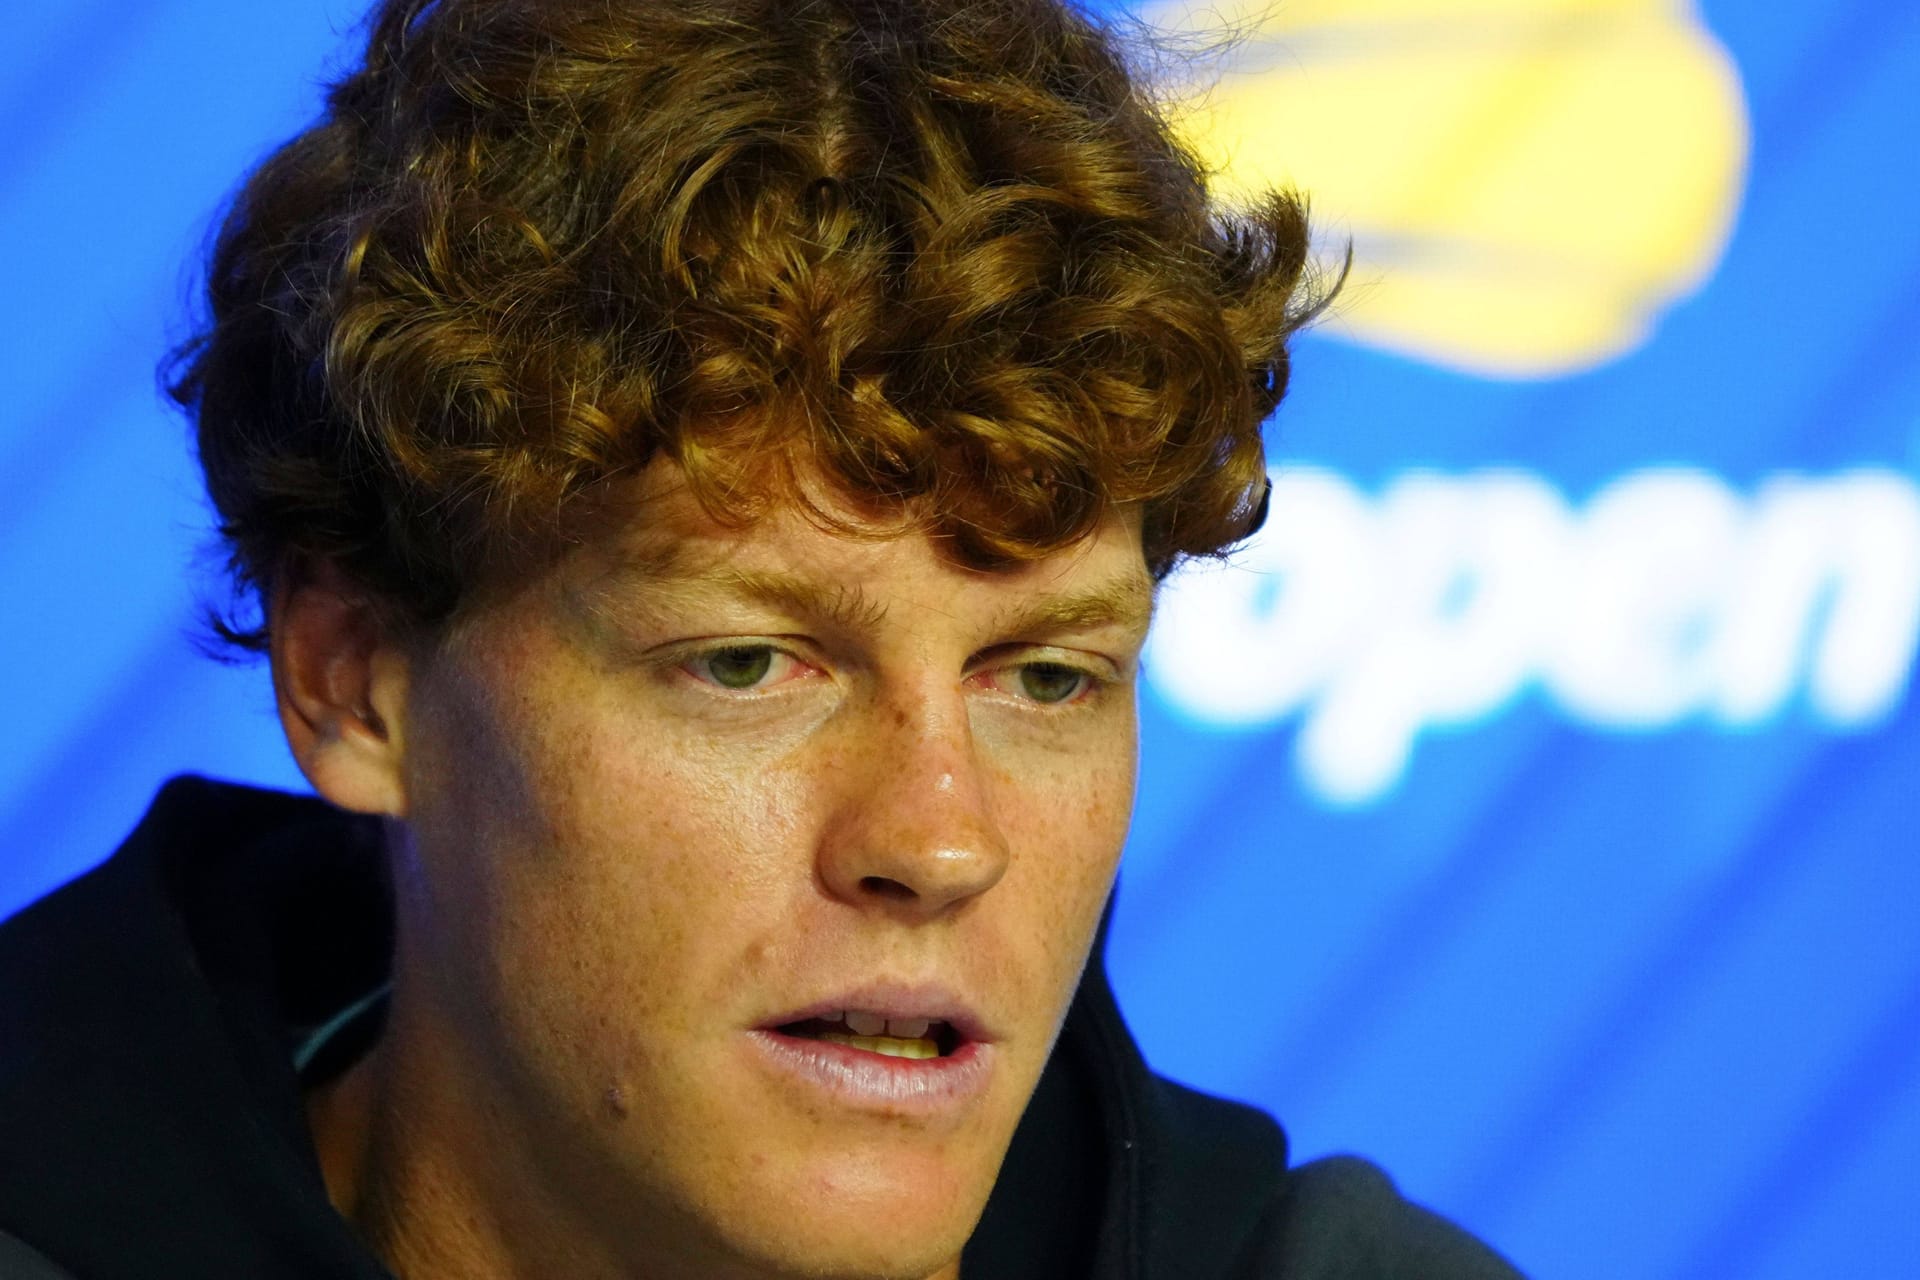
<point x="694" y="792"/>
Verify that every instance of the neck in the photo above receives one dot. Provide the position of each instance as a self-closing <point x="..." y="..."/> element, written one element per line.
<point x="424" y="1162"/>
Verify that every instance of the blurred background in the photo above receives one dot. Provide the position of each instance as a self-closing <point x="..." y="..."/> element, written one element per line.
<point x="1532" y="807"/>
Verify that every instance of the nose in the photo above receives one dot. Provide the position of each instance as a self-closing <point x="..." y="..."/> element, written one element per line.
<point x="913" y="832"/>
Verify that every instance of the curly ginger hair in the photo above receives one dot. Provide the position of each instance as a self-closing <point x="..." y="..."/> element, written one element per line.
<point x="947" y="251"/>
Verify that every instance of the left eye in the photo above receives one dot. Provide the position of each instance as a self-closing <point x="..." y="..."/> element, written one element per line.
<point x="1050" y="682"/>
<point x="742" y="666"/>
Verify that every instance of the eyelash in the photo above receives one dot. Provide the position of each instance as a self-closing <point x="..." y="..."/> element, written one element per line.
<point x="1091" y="683"/>
<point x="688" y="662"/>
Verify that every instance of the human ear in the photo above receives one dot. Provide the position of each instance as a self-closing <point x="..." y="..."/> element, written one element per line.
<point x="340" y="682"/>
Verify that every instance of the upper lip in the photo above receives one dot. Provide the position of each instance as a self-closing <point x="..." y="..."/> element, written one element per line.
<point x="894" y="1000"/>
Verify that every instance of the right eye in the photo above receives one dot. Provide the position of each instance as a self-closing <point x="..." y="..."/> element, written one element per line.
<point x="1052" y="683"/>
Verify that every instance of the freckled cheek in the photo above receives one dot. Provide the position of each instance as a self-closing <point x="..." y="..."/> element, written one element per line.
<point x="1067" y="827"/>
<point x="670" y="846"/>
<point x="639" y="899"/>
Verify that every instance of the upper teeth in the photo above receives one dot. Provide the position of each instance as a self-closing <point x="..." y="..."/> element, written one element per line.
<point x="872" y="1024"/>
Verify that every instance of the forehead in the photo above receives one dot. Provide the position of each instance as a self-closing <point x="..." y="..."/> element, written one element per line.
<point x="854" y="565"/>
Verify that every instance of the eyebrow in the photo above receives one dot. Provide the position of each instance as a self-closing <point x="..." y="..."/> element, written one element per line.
<point x="842" y="605"/>
<point x="846" y="606"/>
<point x="1125" y="601"/>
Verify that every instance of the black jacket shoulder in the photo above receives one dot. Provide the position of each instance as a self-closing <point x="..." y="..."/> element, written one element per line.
<point x="1341" y="1218"/>
<point x="1151" y="1180"/>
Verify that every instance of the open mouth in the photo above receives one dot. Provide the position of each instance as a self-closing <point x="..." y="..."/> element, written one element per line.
<point x="888" y="1037"/>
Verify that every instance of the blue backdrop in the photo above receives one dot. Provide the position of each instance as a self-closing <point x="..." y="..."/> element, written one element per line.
<point x="1531" y="808"/>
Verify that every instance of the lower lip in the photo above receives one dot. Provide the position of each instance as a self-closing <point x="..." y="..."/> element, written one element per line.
<point x="865" y="1081"/>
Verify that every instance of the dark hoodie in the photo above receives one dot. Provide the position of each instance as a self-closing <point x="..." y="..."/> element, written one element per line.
<point x="151" y="1123"/>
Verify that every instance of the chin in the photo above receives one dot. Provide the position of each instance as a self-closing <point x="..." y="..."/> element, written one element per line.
<point x="883" y="1215"/>
<point x="852" y="1250"/>
<point x="866" y="1259"/>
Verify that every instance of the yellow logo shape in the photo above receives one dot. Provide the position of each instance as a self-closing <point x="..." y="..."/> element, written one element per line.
<point x="1528" y="184"/>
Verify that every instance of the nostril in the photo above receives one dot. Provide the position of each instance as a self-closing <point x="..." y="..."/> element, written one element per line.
<point x="882" y="887"/>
